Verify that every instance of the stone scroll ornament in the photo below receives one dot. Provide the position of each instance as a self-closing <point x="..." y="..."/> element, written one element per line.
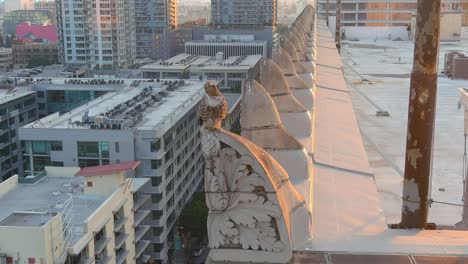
<point x="241" y="216"/>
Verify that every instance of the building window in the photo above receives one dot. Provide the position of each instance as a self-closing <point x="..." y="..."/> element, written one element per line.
<point x="158" y="247"/>
<point x="168" y="156"/>
<point x="57" y="163"/>
<point x="40" y="94"/>
<point x="157" y="215"/>
<point x="117" y="147"/>
<point x="92" y="153"/>
<point x="156" y="198"/>
<point x="156" y="164"/>
<point x="155" y="145"/>
<point x="157" y="231"/>
<point x="156" y="181"/>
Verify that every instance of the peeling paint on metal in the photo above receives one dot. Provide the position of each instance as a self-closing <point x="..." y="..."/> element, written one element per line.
<point x="413" y="156"/>
<point x="411" y="195"/>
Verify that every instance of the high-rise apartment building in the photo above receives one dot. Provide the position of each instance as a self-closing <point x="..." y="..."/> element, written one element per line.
<point x="10" y="5"/>
<point x="155" y="20"/>
<point x="243" y="13"/>
<point x="99" y="34"/>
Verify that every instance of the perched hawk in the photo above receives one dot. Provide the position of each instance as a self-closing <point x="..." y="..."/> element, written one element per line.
<point x="213" y="107"/>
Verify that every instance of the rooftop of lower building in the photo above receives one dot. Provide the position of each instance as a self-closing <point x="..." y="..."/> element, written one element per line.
<point x="146" y="106"/>
<point x="187" y="61"/>
<point x="34" y="200"/>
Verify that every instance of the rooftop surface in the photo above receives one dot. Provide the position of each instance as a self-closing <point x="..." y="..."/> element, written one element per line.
<point x="185" y="61"/>
<point x="108" y="169"/>
<point x="47" y="195"/>
<point x="8" y="96"/>
<point x="378" y="74"/>
<point x="349" y="215"/>
<point x="159" y="114"/>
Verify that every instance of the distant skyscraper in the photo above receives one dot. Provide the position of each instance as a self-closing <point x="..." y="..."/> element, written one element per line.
<point x="243" y="13"/>
<point x="11" y="5"/>
<point x="99" y="33"/>
<point x="155" y="19"/>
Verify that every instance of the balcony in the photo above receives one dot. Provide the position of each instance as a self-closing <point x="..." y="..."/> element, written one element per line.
<point x="119" y="223"/>
<point x="140" y="247"/>
<point x="100" y="245"/>
<point x="140" y="232"/>
<point x="140" y="201"/>
<point x="120" y="240"/>
<point x="104" y="260"/>
<point x="140" y="216"/>
<point x="143" y="259"/>
<point x="86" y="260"/>
<point x="121" y="256"/>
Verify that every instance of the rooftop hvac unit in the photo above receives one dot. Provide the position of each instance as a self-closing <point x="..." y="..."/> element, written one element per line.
<point x="99" y="120"/>
<point x="460" y="67"/>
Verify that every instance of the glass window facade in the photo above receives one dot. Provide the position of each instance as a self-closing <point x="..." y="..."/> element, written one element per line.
<point x="40" y="151"/>
<point x="93" y="153"/>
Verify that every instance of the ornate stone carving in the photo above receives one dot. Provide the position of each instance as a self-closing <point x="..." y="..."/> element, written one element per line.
<point x="241" y="215"/>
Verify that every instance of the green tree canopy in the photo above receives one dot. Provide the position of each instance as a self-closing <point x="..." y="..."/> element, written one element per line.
<point x="194" y="216"/>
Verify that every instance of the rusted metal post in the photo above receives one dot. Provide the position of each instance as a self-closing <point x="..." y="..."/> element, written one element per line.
<point x="421" y="116"/>
<point x="465" y="172"/>
<point x="327" y="8"/>
<point x="338" y="25"/>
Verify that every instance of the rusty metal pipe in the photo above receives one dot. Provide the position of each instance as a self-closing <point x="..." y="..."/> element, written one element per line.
<point x="327" y="14"/>
<point x="338" y="25"/>
<point x="421" y="116"/>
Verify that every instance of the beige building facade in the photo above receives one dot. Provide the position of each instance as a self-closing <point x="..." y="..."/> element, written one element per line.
<point x="89" y="216"/>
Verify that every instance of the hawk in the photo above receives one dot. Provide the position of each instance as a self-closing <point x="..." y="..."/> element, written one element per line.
<point x="213" y="107"/>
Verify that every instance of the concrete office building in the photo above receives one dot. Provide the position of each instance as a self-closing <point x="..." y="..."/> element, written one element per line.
<point x="264" y="33"/>
<point x="229" y="45"/>
<point x="60" y="95"/>
<point x="68" y="215"/>
<point x="379" y="13"/>
<point x="16" y="109"/>
<point x="154" y="123"/>
<point x="6" y="60"/>
<point x="363" y="19"/>
<point x="23" y="53"/>
<point x="243" y="13"/>
<point x="227" y="73"/>
<point x="98" y="34"/>
<point x="154" y="20"/>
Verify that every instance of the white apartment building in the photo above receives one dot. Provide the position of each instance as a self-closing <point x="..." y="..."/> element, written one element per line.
<point x="99" y="34"/>
<point x="68" y="215"/>
<point x="154" y="123"/>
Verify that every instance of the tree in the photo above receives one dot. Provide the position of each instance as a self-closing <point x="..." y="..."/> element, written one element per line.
<point x="39" y="61"/>
<point x="194" y="216"/>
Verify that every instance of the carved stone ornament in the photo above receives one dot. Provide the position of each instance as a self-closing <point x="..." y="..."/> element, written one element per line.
<point x="241" y="215"/>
